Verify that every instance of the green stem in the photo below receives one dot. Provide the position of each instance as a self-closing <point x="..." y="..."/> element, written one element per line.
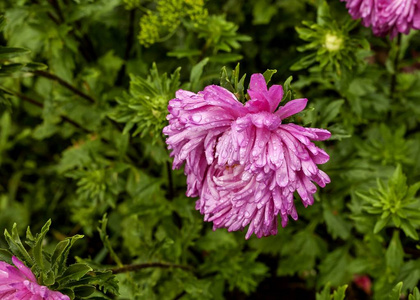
<point x="75" y="90"/>
<point x="64" y="118"/>
<point x="40" y="105"/>
<point x="64" y="84"/>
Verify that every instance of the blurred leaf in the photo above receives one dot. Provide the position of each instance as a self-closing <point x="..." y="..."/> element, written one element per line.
<point x="396" y="291"/>
<point x="196" y="73"/>
<point x="395" y="253"/>
<point x="8" y="52"/>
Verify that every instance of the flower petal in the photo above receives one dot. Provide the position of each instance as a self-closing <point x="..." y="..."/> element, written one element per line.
<point x="291" y="108"/>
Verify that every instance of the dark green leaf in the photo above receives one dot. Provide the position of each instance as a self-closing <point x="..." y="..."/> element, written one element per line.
<point x="9" y="52"/>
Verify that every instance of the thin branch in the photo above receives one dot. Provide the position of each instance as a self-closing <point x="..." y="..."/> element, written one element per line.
<point x="64" y="118"/>
<point x="74" y="90"/>
<point x="25" y="98"/>
<point x="136" y="267"/>
<point x="39" y="104"/>
<point x="65" y="84"/>
<point x="87" y="51"/>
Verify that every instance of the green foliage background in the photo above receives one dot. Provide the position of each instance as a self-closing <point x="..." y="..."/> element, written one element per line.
<point x="84" y="88"/>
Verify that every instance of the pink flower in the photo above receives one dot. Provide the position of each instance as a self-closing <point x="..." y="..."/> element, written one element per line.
<point x="18" y="283"/>
<point x="363" y="282"/>
<point x="386" y="16"/>
<point x="242" y="162"/>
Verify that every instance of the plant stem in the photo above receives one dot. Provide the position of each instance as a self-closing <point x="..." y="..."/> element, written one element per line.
<point x="64" y="118"/>
<point x="74" y="90"/>
<point x="136" y="267"/>
<point x="394" y="75"/>
<point x="39" y="104"/>
<point x="85" y="44"/>
<point x="65" y="84"/>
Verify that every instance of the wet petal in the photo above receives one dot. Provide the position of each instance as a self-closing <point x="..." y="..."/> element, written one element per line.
<point x="291" y="108"/>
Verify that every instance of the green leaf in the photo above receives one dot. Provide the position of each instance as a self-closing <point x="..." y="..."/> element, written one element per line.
<point x="33" y="66"/>
<point x="48" y="278"/>
<point x="6" y="256"/>
<point x="333" y="268"/>
<point x="216" y="240"/>
<point x="380" y="224"/>
<point x="196" y="73"/>
<point x="8" y="69"/>
<point x="8" y="52"/>
<point x="37" y="249"/>
<point x="268" y="74"/>
<point x="325" y="294"/>
<point x="74" y="273"/>
<point x="336" y="224"/>
<point x="84" y="291"/>
<point x="340" y="293"/>
<point x="104" y="280"/>
<point x="395" y="254"/>
<point x="105" y="239"/>
<point x="410" y="274"/>
<point x="225" y="58"/>
<point x="330" y="112"/>
<point x="304" y="62"/>
<point x="184" y="53"/>
<point x="409" y="229"/>
<point x="61" y="252"/>
<point x="415" y="295"/>
<point x="262" y="12"/>
<point x="16" y="246"/>
<point x="338" y="133"/>
<point x="287" y="90"/>
<point x="396" y="292"/>
<point x="323" y="13"/>
<point x="234" y="83"/>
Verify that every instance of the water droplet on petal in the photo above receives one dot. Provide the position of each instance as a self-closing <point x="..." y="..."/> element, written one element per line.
<point x="196" y="118"/>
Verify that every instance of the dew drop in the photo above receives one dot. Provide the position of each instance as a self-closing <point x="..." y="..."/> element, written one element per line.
<point x="196" y="118"/>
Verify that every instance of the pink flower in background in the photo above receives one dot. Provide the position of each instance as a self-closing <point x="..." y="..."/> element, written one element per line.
<point x="364" y="283"/>
<point x="18" y="283"/>
<point x="386" y="16"/>
<point x="242" y="162"/>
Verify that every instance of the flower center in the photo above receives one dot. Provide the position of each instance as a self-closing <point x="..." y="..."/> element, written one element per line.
<point x="332" y="42"/>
